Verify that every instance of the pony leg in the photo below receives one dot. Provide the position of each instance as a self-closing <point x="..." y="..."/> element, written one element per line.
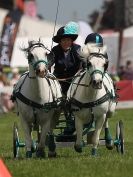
<point x="95" y="139"/>
<point x="79" y="131"/>
<point x="108" y="138"/>
<point x="51" y="145"/>
<point x="51" y="140"/>
<point x="28" y="139"/>
<point x="41" y="145"/>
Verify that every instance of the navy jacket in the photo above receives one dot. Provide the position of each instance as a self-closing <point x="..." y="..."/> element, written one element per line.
<point x="66" y="66"/>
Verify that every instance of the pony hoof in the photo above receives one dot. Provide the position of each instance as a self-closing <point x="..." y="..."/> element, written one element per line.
<point x="109" y="144"/>
<point x="28" y="154"/>
<point x="94" y="152"/>
<point x="78" y="148"/>
<point x="52" y="154"/>
<point x="33" y="149"/>
<point x="40" y="153"/>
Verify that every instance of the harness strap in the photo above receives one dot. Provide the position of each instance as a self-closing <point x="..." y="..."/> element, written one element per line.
<point x="77" y="83"/>
<point x="92" y="104"/>
<point x="98" y="54"/>
<point x="26" y="74"/>
<point x="46" y="106"/>
<point x="50" y="88"/>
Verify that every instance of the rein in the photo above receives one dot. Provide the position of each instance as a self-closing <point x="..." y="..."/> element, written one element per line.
<point x="66" y="79"/>
<point x="57" y="10"/>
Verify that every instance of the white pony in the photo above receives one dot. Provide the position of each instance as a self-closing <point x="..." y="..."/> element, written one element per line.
<point x="92" y="94"/>
<point x="37" y="98"/>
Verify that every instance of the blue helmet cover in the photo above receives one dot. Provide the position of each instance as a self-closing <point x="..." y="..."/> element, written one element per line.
<point x="71" y="28"/>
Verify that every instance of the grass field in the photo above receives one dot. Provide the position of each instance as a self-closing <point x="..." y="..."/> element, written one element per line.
<point x="69" y="163"/>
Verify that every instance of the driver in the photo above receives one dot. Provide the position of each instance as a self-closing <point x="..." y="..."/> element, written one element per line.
<point x="67" y="62"/>
<point x="66" y="59"/>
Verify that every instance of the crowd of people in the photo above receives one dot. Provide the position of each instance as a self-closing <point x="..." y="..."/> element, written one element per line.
<point x="126" y="72"/>
<point x="6" y="87"/>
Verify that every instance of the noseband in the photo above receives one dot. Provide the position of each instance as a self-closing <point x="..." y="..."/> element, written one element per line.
<point x="35" y="64"/>
<point x="97" y="71"/>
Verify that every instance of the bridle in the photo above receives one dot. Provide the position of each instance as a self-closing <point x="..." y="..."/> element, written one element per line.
<point x="91" y="73"/>
<point x="79" y="105"/>
<point x="31" y="57"/>
<point x="99" y="71"/>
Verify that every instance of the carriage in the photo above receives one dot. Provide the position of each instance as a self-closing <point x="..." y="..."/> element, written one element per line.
<point x="62" y="140"/>
<point x="42" y="112"/>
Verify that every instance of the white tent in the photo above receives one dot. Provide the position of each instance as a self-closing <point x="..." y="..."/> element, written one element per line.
<point x="84" y="30"/>
<point x="18" y="56"/>
<point x="29" y="29"/>
<point x="111" y="40"/>
<point x="2" y="15"/>
<point x="127" y="46"/>
<point x="128" y="32"/>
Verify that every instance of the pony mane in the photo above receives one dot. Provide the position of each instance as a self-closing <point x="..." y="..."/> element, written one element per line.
<point x="31" y="43"/>
<point x="89" y="48"/>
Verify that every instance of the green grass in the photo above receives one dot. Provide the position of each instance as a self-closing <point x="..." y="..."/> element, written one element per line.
<point x="69" y="163"/>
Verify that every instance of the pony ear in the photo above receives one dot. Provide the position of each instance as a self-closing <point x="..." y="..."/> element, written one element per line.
<point x="84" y="51"/>
<point x="29" y="43"/>
<point x="104" y="49"/>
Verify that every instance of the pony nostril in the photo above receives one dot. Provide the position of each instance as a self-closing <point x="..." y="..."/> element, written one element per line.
<point x="100" y="82"/>
<point x="97" y="83"/>
<point x="94" y="82"/>
<point x="38" y="71"/>
<point x="41" y="72"/>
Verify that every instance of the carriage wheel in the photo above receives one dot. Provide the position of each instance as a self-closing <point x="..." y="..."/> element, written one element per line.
<point x="15" y="140"/>
<point x="120" y="137"/>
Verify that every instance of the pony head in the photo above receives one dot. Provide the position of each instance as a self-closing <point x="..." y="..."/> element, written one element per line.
<point x="87" y="49"/>
<point x="37" y="58"/>
<point x="97" y="62"/>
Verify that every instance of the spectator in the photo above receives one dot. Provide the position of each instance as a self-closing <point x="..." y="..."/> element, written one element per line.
<point x="128" y="75"/>
<point x="15" y="76"/>
<point x="5" y="92"/>
<point x="121" y="72"/>
<point x="114" y="75"/>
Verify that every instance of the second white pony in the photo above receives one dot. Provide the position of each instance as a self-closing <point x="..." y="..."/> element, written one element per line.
<point x="92" y="94"/>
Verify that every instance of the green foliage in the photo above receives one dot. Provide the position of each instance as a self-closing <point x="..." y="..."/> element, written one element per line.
<point x="69" y="163"/>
